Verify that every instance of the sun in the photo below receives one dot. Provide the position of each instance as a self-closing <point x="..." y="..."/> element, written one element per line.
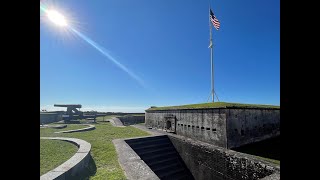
<point x="57" y="18"/>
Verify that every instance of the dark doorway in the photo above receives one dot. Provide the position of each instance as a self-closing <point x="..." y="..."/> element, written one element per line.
<point x="168" y="125"/>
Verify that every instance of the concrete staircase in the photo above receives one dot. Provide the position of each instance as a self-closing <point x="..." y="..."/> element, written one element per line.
<point x="160" y="155"/>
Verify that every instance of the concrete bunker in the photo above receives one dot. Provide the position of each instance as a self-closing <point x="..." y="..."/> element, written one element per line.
<point x="226" y="125"/>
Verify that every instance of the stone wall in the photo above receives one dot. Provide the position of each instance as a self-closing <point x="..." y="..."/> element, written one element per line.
<point x="224" y="127"/>
<point x="207" y="161"/>
<point x="129" y="120"/>
<point x="245" y="126"/>
<point x="46" y="118"/>
<point x="208" y="125"/>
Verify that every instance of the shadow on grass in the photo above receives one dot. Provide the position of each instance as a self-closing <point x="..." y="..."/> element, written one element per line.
<point x="269" y="148"/>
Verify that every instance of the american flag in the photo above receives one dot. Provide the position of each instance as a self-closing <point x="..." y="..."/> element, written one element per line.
<point x="214" y="20"/>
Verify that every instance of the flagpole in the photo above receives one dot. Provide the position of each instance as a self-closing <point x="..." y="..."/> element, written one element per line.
<point x="211" y="58"/>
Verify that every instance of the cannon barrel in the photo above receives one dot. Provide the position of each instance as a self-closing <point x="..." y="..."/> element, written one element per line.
<point x="68" y="105"/>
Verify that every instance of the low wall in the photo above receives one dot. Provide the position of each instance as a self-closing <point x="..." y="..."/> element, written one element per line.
<point x="129" y="120"/>
<point x="76" y="165"/>
<point x="89" y="128"/>
<point x="54" y="126"/>
<point x="207" y="161"/>
<point x="46" y="118"/>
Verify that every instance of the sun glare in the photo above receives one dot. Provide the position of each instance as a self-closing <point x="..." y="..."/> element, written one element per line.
<point x="57" y="18"/>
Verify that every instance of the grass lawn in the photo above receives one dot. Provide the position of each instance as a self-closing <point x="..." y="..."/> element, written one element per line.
<point x="103" y="151"/>
<point x="53" y="153"/>
<point x="215" y="105"/>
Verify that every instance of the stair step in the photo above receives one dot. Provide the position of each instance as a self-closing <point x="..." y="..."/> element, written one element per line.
<point x="156" y="151"/>
<point x="162" y="155"/>
<point x="146" y="139"/>
<point x="153" y="146"/>
<point x="167" y="160"/>
<point x="158" y="159"/>
<point x="168" y="166"/>
<point x="149" y="142"/>
<point x="167" y="173"/>
<point x="182" y="175"/>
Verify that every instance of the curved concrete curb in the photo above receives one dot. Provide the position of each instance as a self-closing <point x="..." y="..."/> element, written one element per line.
<point x="74" y="165"/>
<point x="54" y="126"/>
<point x="91" y="127"/>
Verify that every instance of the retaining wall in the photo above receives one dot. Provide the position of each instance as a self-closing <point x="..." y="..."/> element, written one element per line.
<point x="46" y="118"/>
<point x="129" y="120"/>
<point x="207" y="161"/>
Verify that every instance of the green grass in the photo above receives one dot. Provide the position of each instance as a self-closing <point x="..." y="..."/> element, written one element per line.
<point x="53" y="153"/>
<point x="215" y="105"/>
<point x="277" y="162"/>
<point x="103" y="151"/>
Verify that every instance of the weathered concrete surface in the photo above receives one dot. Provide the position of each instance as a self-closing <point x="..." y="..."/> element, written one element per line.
<point x="75" y="165"/>
<point x="207" y="161"/>
<point x="208" y="125"/>
<point x="274" y="176"/>
<point x="245" y="126"/>
<point x="91" y="127"/>
<point x="116" y="122"/>
<point x="224" y="127"/>
<point x="134" y="168"/>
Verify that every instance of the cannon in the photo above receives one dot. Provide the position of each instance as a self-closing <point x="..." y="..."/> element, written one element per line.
<point x="71" y="111"/>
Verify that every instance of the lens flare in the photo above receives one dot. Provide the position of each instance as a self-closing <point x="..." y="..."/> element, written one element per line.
<point x="57" y="18"/>
<point x="60" y="20"/>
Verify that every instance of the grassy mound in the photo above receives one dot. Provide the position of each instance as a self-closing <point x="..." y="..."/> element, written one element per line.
<point x="215" y="105"/>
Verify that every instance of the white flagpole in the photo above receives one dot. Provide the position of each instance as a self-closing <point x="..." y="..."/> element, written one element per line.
<point x="211" y="57"/>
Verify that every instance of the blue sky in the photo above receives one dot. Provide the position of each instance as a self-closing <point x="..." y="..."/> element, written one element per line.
<point x="164" y="43"/>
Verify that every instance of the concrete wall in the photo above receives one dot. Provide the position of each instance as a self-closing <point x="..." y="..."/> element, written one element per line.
<point x="46" y="118"/>
<point x="207" y="161"/>
<point x="128" y="120"/>
<point x="245" y="126"/>
<point x="207" y="125"/>
<point x="224" y="127"/>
